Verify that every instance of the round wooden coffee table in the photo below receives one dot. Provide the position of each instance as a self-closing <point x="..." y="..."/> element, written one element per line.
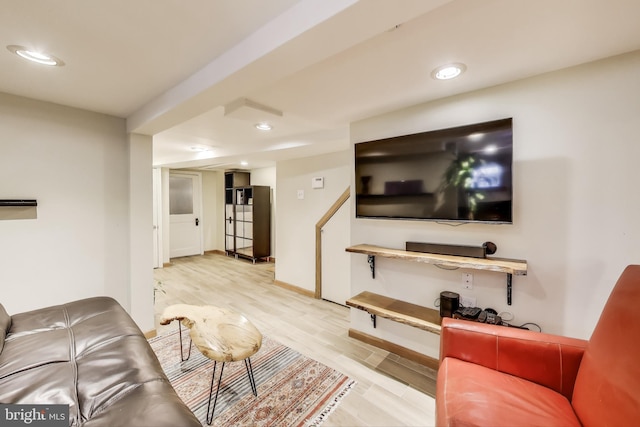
<point x="221" y="335"/>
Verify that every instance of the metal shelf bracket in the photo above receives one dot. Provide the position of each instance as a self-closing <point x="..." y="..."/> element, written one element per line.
<point x="371" y="259"/>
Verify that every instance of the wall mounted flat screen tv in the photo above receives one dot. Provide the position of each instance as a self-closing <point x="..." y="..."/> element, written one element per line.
<point x="461" y="174"/>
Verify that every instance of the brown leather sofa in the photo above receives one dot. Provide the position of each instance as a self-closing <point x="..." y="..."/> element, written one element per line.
<point x="497" y="376"/>
<point x="90" y="355"/>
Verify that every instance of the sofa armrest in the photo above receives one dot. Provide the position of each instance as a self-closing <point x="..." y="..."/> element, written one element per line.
<point x="548" y="360"/>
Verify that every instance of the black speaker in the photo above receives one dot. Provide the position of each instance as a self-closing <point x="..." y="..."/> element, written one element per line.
<point x="457" y="250"/>
<point x="449" y="303"/>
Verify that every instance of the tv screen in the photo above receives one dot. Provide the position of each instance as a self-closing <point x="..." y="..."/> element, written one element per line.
<point x="461" y="174"/>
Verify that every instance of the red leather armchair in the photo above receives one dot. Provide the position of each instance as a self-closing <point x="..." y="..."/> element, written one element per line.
<point x="496" y="376"/>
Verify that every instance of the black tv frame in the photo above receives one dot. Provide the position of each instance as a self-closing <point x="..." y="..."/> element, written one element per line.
<point x="413" y="196"/>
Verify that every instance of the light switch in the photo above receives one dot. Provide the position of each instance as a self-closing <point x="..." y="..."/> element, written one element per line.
<point x="300" y="194"/>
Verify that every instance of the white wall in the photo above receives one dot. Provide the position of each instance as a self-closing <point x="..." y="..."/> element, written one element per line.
<point x="77" y="165"/>
<point x="576" y="201"/>
<point x="140" y="230"/>
<point x="296" y="219"/>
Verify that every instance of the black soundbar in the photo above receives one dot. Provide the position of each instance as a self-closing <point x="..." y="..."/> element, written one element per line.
<point x="18" y="202"/>
<point x="457" y="250"/>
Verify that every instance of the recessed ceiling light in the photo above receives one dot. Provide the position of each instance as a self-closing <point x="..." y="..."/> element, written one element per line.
<point x="200" y="148"/>
<point x="39" y="57"/>
<point x="448" y="71"/>
<point x="244" y="163"/>
<point x="263" y="126"/>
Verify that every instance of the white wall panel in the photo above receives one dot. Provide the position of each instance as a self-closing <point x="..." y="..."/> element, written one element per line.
<point x="76" y="164"/>
<point x="297" y="218"/>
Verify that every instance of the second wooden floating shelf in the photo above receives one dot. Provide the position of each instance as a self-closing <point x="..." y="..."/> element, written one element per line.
<point x="414" y="315"/>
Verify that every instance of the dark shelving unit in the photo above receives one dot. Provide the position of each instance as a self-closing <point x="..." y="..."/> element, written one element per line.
<point x="247" y="217"/>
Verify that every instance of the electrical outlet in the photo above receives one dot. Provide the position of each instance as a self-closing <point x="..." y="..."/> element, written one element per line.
<point x="467" y="280"/>
<point x="300" y="194"/>
<point x="467" y="301"/>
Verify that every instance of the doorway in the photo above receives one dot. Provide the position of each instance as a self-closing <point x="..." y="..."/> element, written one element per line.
<point x="185" y="213"/>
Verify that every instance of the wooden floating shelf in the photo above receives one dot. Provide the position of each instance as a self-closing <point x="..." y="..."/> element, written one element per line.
<point x="500" y="265"/>
<point x="414" y="315"/>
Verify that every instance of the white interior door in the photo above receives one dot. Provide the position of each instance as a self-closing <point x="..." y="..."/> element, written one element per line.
<point x="185" y="213"/>
<point x="336" y="266"/>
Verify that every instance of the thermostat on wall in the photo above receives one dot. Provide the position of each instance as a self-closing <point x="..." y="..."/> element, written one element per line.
<point x="317" y="182"/>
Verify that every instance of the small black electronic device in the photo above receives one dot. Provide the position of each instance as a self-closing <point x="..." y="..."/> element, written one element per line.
<point x="468" y="313"/>
<point x="449" y="303"/>
<point x="489" y="317"/>
<point x="490" y="248"/>
<point x="477" y="314"/>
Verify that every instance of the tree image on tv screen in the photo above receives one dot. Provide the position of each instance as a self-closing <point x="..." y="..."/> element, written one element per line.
<point x="462" y="175"/>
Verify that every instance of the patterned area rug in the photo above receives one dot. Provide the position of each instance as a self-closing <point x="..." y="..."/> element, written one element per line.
<point x="293" y="390"/>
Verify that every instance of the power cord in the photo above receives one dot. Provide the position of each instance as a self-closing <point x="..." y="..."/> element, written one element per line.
<point x="506" y="316"/>
<point x="530" y="323"/>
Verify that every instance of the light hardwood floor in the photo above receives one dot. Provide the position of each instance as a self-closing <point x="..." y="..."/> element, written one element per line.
<point x="388" y="390"/>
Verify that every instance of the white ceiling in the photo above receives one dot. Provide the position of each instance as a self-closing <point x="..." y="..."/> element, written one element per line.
<point x="170" y="66"/>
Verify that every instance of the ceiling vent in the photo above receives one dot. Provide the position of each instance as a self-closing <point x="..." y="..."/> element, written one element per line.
<point x="248" y="110"/>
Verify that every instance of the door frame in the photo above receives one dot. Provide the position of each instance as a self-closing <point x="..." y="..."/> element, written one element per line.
<point x="157" y="219"/>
